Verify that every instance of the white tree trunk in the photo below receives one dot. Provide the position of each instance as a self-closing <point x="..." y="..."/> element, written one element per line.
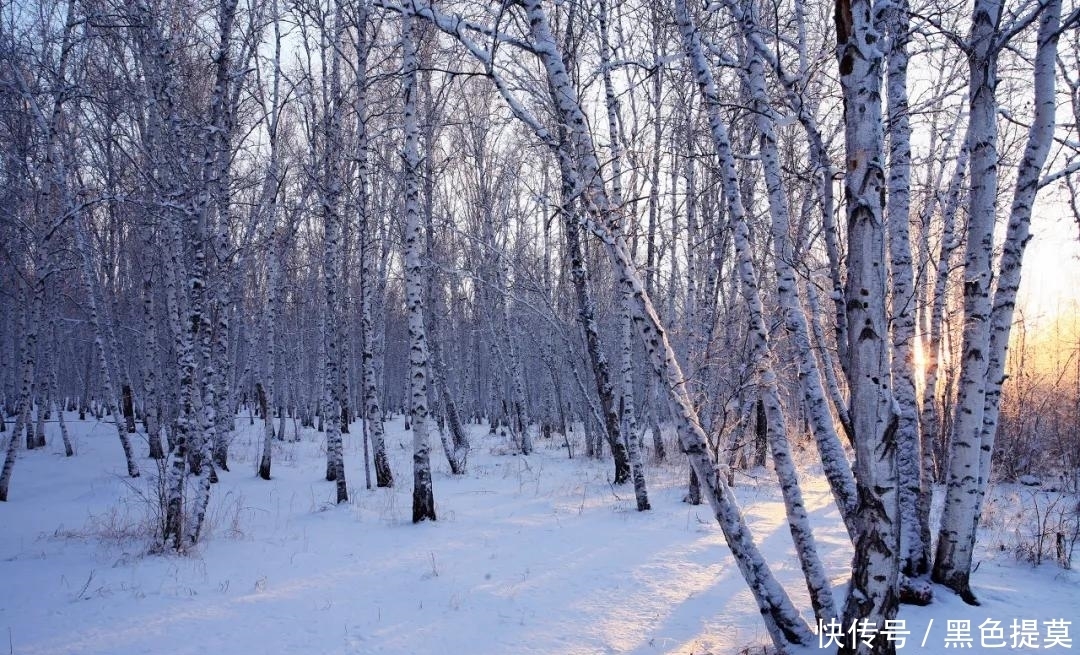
<point x="53" y="382"/>
<point x="271" y="313"/>
<point x="423" y="505"/>
<point x="839" y="401"/>
<point x="914" y="533"/>
<point x="373" y="415"/>
<point x="626" y="328"/>
<point x="519" y="414"/>
<point x="331" y="193"/>
<point x="872" y="593"/>
<point x="609" y="416"/>
<point x="151" y="404"/>
<point x="956" y="540"/>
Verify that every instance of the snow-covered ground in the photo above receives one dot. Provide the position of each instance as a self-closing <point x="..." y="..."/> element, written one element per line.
<point x="529" y="555"/>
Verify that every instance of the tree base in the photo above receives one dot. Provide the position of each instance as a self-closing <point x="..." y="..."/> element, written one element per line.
<point x="423" y="507"/>
<point x="915" y="591"/>
<point x="959" y="583"/>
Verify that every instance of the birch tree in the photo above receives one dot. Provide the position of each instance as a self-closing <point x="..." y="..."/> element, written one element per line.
<point x="423" y="497"/>
<point x="1018" y="233"/>
<point x="268" y="208"/>
<point x="331" y="188"/>
<point x="985" y="339"/>
<point x="952" y="564"/>
<point x="872" y="593"/>
<point x="893" y="20"/>
<point x="628" y="411"/>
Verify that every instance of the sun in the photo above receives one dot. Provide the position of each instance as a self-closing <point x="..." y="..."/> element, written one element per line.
<point x="918" y="358"/>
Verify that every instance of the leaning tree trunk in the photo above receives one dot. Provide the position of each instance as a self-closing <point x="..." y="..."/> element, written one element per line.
<point x="760" y="349"/>
<point x="819" y="158"/>
<point x="828" y="366"/>
<point x="587" y="314"/>
<point x="455" y="444"/>
<point x="781" y="619"/>
<point x="1040" y="138"/>
<point x="586" y="307"/>
<point x="11" y="454"/>
<point x="834" y="460"/>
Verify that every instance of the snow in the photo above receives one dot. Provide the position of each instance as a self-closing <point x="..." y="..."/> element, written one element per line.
<point x="529" y="555"/>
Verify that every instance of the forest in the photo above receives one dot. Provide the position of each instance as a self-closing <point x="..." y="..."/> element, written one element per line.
<point x="695" y="246"/>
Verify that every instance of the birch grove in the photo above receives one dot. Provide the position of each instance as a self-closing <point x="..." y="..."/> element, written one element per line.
<point x="688" y="240"/>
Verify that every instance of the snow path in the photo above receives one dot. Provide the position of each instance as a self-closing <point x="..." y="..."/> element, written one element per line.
<point x="533" y="555"/>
